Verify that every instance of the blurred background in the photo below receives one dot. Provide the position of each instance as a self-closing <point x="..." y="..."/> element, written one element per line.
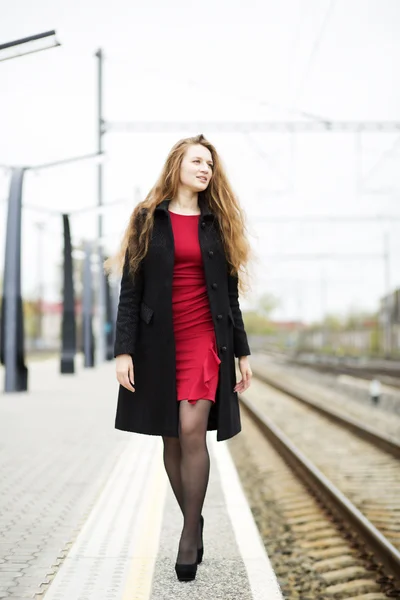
<point x="301" y="100"/>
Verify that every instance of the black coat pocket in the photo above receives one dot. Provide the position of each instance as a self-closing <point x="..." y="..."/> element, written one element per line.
<point x="146" y="313"/>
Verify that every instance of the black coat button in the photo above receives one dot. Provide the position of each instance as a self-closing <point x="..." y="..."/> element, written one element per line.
<point x="214" y="286"/>
<point x="223" y="348"/>
<point x="210" y="253"/>
<point x="219" y="317"/>
<point x="203" y="224"/>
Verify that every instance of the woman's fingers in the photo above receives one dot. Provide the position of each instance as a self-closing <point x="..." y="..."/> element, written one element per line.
<point x="124" y="380"/>
<point x="239" y="387"/>
<point x="248" y="378"/>
<point x="125" y="371"/>
<point x="128" y="384"/>
<point x="131" y="375"/>
<point x="244" y="383"/>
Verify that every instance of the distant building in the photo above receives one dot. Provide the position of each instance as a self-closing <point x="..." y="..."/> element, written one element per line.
<point x="351" y="338"/>
<point x="51" y="320"/>
<point x="284" y="336"/>
<point x="389" y="320"/>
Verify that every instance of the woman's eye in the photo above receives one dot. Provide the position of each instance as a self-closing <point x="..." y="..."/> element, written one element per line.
<point x="196" y="160"/>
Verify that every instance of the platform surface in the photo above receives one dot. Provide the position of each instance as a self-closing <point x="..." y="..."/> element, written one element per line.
<point x="86" y="511"/>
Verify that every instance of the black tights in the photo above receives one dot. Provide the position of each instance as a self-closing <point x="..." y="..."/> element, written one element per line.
<point x="187" y="464"/>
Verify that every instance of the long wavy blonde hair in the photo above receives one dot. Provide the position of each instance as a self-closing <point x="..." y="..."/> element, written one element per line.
<point x="218" y="195"/>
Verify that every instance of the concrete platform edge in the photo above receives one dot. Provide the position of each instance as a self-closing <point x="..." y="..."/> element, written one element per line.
<point x="261" y="575"/>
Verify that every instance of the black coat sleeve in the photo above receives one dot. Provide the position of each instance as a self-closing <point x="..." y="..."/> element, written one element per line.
<point x="128" y="308"/>
<point x="240" y="343"/>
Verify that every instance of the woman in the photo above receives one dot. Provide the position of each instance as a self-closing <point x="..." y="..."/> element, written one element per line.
<point x="179" y="325"/>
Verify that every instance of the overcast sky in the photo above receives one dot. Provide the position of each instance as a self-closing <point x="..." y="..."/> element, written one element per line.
<point x="217" y="61"/>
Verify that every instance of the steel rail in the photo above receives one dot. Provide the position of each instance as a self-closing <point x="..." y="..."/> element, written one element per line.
<point x="369" y="434"/>
<point x="385" y="558"/>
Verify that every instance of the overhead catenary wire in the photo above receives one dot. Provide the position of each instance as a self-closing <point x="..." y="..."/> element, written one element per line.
<point x="201" y="86"/>
<point x="325" y="218"/>
<point x="384" y="156"/>
<point x="267" y="157"/>
<point x="315" y="49"/>
<point x="303" y="9"/>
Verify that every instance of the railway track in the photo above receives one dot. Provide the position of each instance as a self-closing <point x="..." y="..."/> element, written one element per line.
<point x="367" y="432"/>
<point x="388" y="373"/>
<point x="353" y="472"/>
<point x="388" y="376"/>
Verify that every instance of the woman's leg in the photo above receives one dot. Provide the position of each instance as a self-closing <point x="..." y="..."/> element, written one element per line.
<point x="172" y="463"/>
<point x="195" y="469"/>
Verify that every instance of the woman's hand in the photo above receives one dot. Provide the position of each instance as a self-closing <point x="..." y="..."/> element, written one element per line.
<point x="244" y="367"/>
<point x="125" y="372"/>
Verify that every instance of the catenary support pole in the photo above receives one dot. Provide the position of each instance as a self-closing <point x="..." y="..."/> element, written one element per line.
<point x="68" y="344"/>
<point x="101" y="288"/>
<point x="12" y="322"/>
<point x="87" y="308"/>
<point x="109" y="321"/>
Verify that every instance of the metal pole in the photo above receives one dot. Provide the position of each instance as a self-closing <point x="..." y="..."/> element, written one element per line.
<point x="324" y="336"/>
<point x="114" y="303"/>
<point x="109" y="322"/>
<point x="101" y="301"/>
<point x="68" y="323"/>
<point x="387" y="262"/>
<point x="87" y="308"/>
<point x="12" y="323"/>
<point x="388" y="300"/>
<point x="40" y="294"/>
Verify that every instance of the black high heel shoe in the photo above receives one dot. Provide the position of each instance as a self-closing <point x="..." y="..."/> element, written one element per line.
<point x="200" y="551"/>
<point x="186" y="572"/>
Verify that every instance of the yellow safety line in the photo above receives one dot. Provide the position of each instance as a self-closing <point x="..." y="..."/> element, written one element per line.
<point x="140" y="576"/>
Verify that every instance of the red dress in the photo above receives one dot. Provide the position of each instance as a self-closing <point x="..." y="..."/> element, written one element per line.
<point x="197" y="361"/>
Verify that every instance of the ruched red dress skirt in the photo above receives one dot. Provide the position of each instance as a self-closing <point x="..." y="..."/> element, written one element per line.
<point x="197" y="361"/>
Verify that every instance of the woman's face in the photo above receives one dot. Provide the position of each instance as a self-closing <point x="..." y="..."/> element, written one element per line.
<point x="196" y="168"/>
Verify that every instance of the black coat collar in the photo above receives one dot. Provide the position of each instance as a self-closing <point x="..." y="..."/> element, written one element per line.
<point x="204" y="208"/>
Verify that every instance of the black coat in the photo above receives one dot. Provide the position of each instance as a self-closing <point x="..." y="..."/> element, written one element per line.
<point x="144" y="329"/>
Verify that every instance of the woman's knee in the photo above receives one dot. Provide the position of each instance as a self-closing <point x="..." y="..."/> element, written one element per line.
<point x="192" y="434"/>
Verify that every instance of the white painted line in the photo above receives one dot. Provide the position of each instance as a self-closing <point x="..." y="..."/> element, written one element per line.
<point x="263" y="582"/>
<point x="117" y="546"/>
<point x="111" y="525"/>
<point x="139" y="581"/>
